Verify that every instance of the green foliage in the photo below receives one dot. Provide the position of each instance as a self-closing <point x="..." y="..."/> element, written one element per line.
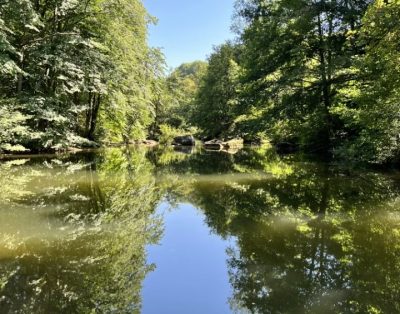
<point x="297" y="55"/>
<point x="321" y="74"/>
<point x="176" y="93"/>
<point x="168" y="133"/>
<point x="52" y="49"/>
<point x="216" y="101"/>
<point x="373" y="117"/>
<point x="183" y="84"/>
<point x="13" y="129"/>
<point x="77" y="71"/>
<point x="130" y="108"/>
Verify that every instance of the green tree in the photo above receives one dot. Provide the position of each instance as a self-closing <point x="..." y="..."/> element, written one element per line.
<point x="216" y="101"/>
<point x="129" y="108"/>
<point x="183" y="84"/>
<point x="75" y="71"/>
<point x="53" y="52"/>
<point x="296" y="55"/>
<point x="372" y="113"/>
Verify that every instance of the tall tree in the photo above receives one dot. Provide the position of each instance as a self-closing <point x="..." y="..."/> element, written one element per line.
<point x="183" y="84"/>
<point x="216" y="100"/>
<point x="134" y="67"/>
<point x="65" y="63"/>
<point x="372" y="114"/>
<point x="297" y="54"/>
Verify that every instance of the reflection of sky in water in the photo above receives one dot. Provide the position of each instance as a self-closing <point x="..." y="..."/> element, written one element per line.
<point x="191" y="274"/>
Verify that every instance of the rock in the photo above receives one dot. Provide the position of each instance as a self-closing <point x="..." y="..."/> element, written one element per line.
<point x="221" y="145"/>
<point x="214" y="145"/>
<point x="74" y="149"/>
<point x="149" y="143"/>
<point x="235" y="143"/>
<point x="186" y="140"/>
<point x="184" y="149"/>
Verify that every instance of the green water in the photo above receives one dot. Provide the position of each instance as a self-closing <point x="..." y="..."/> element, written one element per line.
<point x="159" y="231"/>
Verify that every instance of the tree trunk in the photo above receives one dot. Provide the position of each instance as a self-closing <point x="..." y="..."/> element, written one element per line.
<point x="325" y="68"/>
<point x="93" y="118"/>
<point x="88" y="114"/>
<point x="20" y="81"/>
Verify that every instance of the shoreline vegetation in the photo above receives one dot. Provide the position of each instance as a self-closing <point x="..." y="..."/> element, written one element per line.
<point x="319" y="77"/>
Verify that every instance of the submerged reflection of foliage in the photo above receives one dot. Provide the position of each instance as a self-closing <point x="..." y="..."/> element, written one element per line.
<point x="310" y="237"/>
<point x="85" y="251"/>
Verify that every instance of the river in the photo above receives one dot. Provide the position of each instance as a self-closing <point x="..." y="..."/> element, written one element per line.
<point x="153" y="231"/>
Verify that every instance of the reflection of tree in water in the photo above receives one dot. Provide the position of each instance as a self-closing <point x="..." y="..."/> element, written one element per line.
<point x="88" y="250"/>
<point x="312" y="239"/>
<point x="326" y="269"/>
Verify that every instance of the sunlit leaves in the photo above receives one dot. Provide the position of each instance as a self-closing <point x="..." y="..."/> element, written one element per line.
<point x="66" y="63"/>
<point x="376" y="116"/>
<point x="216" y="101"/>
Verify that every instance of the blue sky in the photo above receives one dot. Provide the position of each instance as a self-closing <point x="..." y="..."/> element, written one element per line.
<point x="188" y="29"/>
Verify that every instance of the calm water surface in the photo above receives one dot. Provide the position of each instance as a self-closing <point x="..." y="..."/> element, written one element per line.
<point x="161" y="231"/>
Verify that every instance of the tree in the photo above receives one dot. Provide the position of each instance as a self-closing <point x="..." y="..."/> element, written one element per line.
<point x="372" y="114"/>
<point x="216" y="100"/>
<point x="54" y="49"/>
<point x="296" y="55"/>
<point x="183" y="84"/>
<point x="129" y="108"/>
<point x="75" y="72"/>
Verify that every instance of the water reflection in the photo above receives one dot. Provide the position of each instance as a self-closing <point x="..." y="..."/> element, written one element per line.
<point x="309" y="237"/>
<point x="76" y="233"/>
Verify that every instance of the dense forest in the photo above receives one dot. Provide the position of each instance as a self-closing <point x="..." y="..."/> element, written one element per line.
<point x="322" y="76"/>
<point x="73" y="72"/>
